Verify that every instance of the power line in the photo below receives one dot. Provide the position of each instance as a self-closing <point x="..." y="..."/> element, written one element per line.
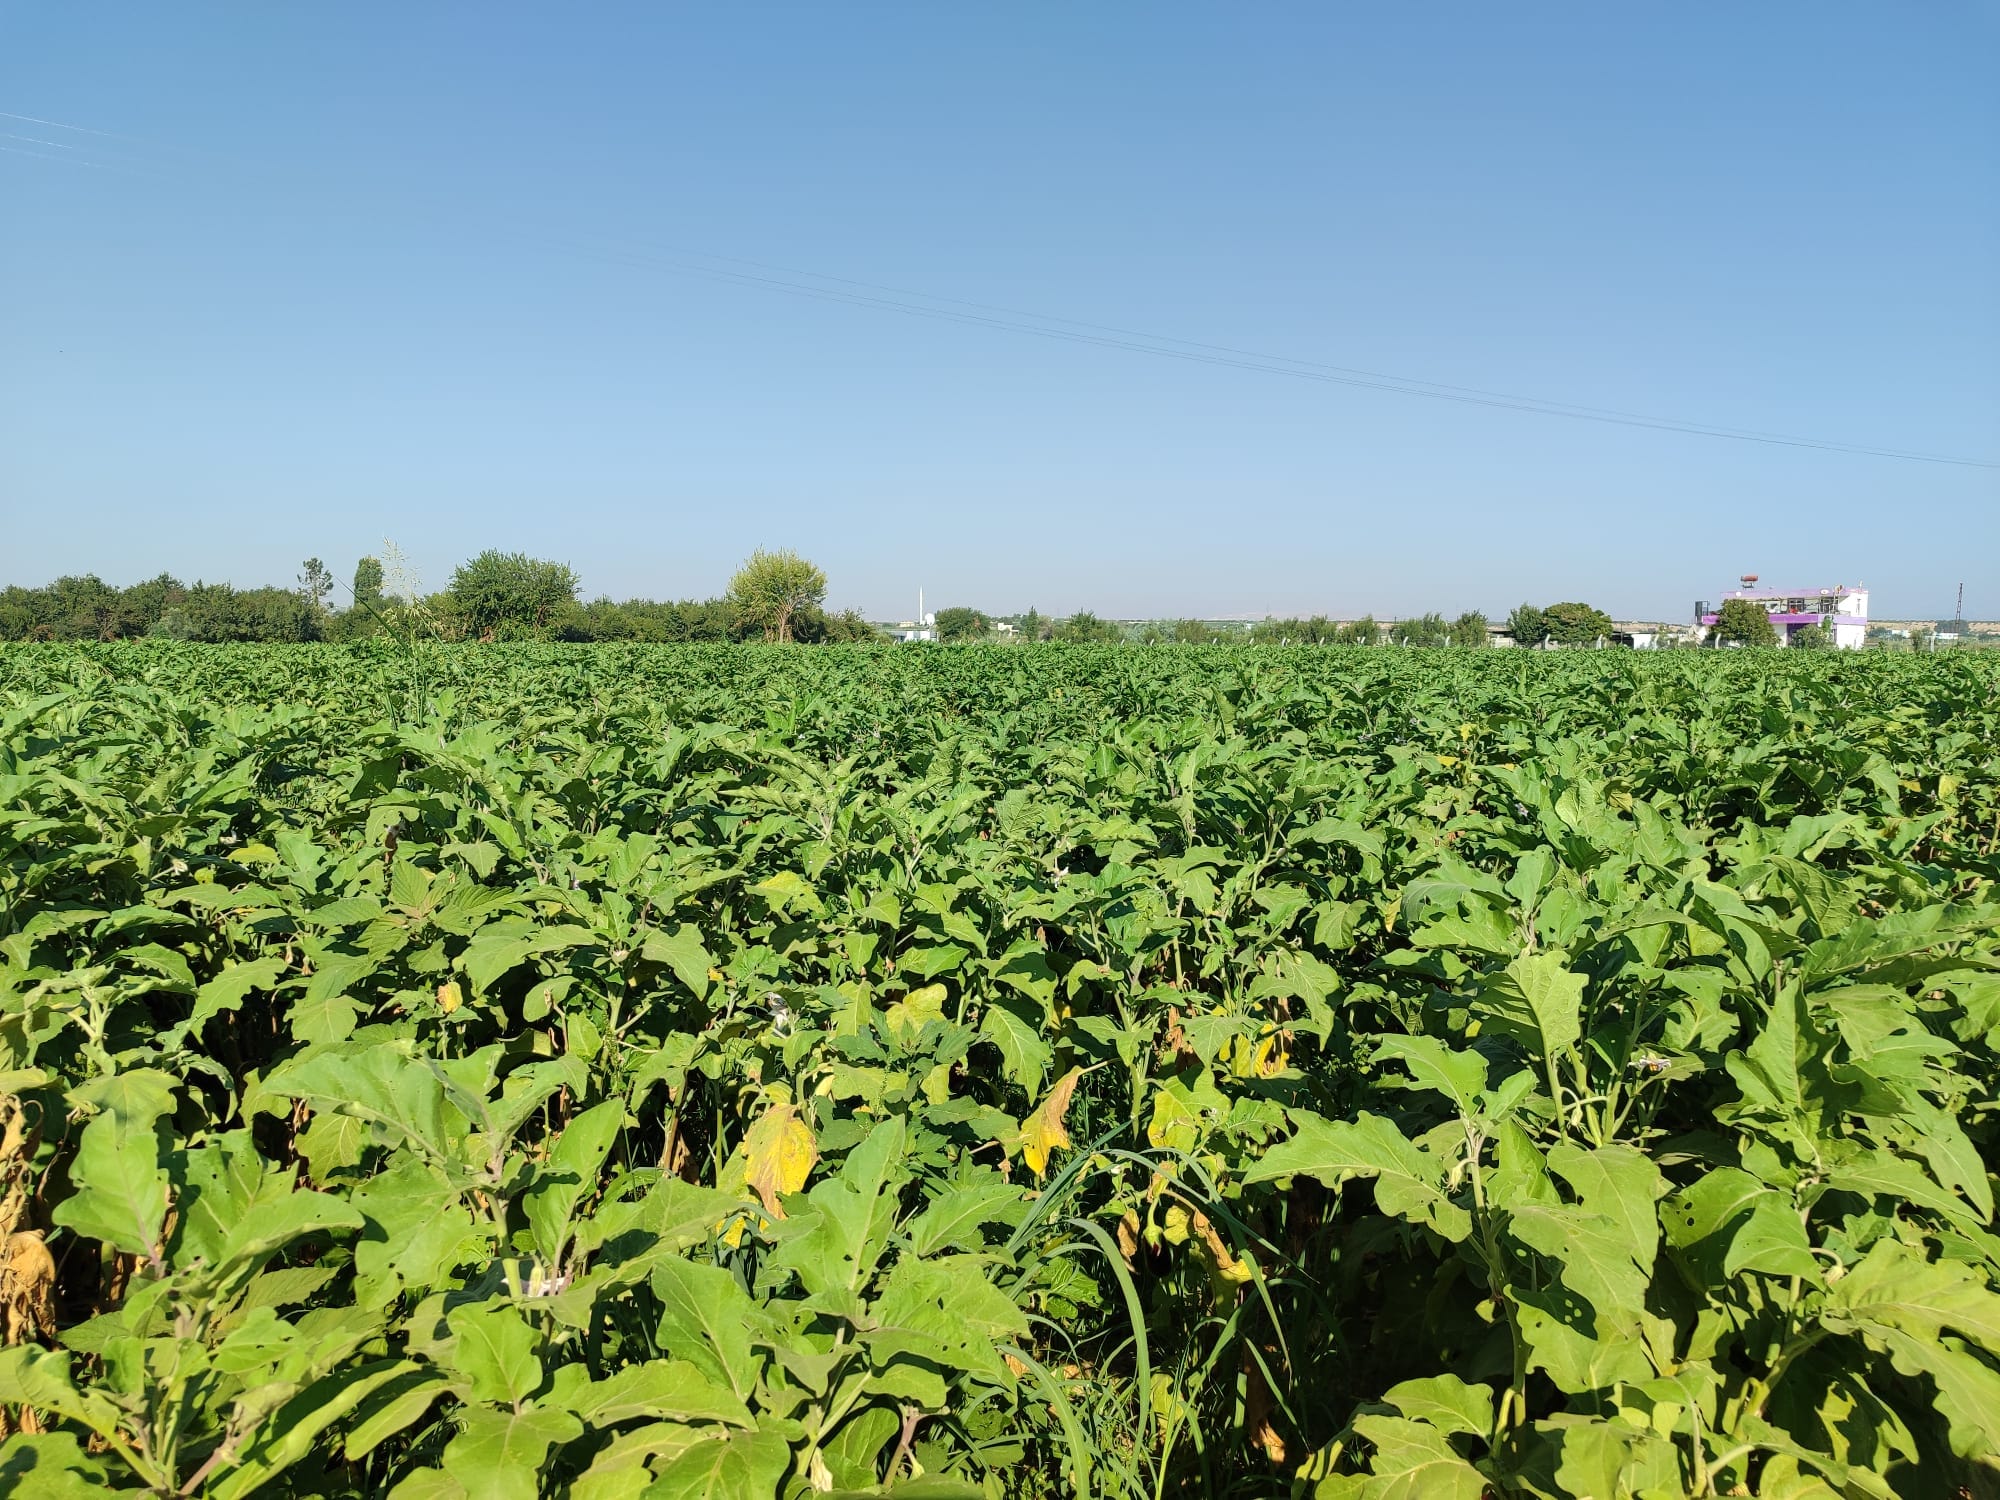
<point x="1261" y="364"/>
<point x="1285" y="359"/>
<point x="1110" y="336"/>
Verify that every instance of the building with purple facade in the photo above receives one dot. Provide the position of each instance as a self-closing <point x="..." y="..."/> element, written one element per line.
<point x="1842" y="612"/>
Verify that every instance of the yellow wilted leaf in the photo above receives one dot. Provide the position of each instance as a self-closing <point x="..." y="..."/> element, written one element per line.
<point x="937" y="1084"/>
<point x="786" y="888"/>
<point x="1272" y="1055"/>
<point x="1174" y="1127"/>
<point x="732" y="1228"/>
<point x="1169" y="1410"/>
<point x="1264" y="1058"/>
<point x="1226" y="1264"/>
<point x="450" y="997"/>
<point x="1043" y="1131"/>
<point x="1129" y="1231"/>
<point x="778" y="1154"/>
<point x="27" y="1288"/>
<point x="906" y="1017"/>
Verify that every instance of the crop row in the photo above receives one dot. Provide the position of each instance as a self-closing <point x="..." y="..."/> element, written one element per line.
<point x="738" y="1072"/>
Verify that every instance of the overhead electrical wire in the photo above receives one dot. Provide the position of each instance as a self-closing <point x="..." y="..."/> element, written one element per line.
<point x="880" y="297"/>
<point x="1226" y="357"/>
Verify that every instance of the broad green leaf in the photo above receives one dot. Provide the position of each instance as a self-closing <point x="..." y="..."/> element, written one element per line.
<point x="1334" y="1151"/>
<point x="496" y="1351"/>
<point x="393" y="1407"/>
<point x="1446" y="1402"/>
<point x="683" y="953"/>
<point x="235" y="984"/>
<point x="120" y="1188"/>
<point x="51" y="1466"/>
<point x="493" y="954"/>
<point x="1604" y="1245"/>
<point x="37" y="1377"/>
<point x="397" y="1093"/>
<point x="784" y="889"/>
<point x="909" y="1014"/>
<point x="1595" y="1457"/>
<point x="834" y="1247"/>
<point x="1895" y="1287"/>
<point x="1767" y="1071"/>
<point x="1413" y="1461"/>
<point x="325" y="1009"/>
<point x="1621" y="1183"/>
<point x="1537" y="1000"/>
<point x="744" y="1466"/>
<point x="498" y="1455"/>
<point x="275" y="1223"/>
<point x="707" y="1320"/>
<point x="953" y="1220"/>
<point x="1880" y="1173"/>
<point x="1459" y="1076"/>
<point x="133" y="1097"/>
<point x="1024" y="1055"/>
<point x="294" y="1430"/>
<point x="569" y="1175"/>
<point x="1771" y="1239"/>
<point x="428" y="1484"/>
<point x="660" y="1389"/>
<point x="945" y="1311"/>
<point x="1564" y="1341"/>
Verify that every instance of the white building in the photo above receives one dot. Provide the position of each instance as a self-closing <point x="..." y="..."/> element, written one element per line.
<point x="923" y="628"/>
<point x="1842" y="611"/>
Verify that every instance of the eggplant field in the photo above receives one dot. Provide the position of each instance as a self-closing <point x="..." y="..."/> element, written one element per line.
<point x="486" y="1073"/>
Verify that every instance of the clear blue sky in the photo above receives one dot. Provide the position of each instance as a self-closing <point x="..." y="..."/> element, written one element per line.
<point x="345" y="272"/>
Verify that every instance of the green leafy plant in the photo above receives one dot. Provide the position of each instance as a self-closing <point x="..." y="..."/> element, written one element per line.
<point x="1118" y="1071"/>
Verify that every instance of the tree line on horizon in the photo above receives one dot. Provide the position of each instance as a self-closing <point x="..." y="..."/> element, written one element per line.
<point x="775" y="596"/>
<point x="496" y="596"/>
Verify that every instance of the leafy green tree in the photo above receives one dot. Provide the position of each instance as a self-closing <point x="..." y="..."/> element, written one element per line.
<point x="315" y="587"/>
<point x="172" y="625"/>
<point x="1469" y="629"/>
<point x="367" y="585"/>
<point x="1743" y="622"/>
<point x="1527" y="625"/>
<point x="1083" y="627"/>
<point x="510" y="593"/>
<point x="217" y="613"/>
<point x="1032" y="627"/>
<point x="1811" y="638"/>
<point x="771" y="588"/>
<point x="815" y="627"/>
<point x="83" y="608"/>
<point x="141" y="607"/>
<point x="959" y="624"/>
<point x="1317" y="631"/>
<point x="1573" y="624"/>
<point x="1361" y="632"/>
<point x="1425" y="630"/>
